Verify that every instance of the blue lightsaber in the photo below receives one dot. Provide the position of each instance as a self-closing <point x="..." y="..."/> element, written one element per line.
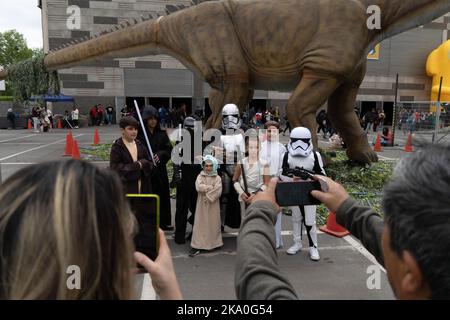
<point x="145" y="132"/>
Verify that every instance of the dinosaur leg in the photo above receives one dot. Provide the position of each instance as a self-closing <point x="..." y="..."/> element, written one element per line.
<point x="345" y="121"/>
<point x="307" y="98"/>
<point x="236" y="93"/>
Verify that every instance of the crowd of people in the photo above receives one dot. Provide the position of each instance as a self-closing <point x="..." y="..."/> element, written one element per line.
<point x="42" y="118"/>
<point x="215" y="191"/>
<point x="411" y="120"/>
<point x="168" y="117"/>
<point x="87" y="216"/>
<point x="100" y="116"/>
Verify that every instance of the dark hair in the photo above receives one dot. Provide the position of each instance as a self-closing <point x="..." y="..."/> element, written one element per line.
<point x="416" y="206"/>
<point x="58" y="214"/>
<point x="128" y="121"/>
<point x="272" y="124"/>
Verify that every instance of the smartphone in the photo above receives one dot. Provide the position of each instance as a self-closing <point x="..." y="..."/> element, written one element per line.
<point x="297" y="193"/>
<point x="145" y="208"/>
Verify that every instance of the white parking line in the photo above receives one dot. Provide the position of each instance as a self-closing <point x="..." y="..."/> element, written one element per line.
<point x="389" y="159"/>
<point x="21" y="143"/>
<point x="37" y="148"/>
<point x="147" y="293"/>
<point x="17" y="163"/>
<point x="31" y="135"/>
<point x="358" y="246"/>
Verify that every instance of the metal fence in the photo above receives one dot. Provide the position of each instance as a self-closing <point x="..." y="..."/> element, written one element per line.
<point x="428" y="121"/>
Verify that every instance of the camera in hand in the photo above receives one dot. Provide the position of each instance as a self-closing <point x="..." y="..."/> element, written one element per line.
<point x="298" y="193"/>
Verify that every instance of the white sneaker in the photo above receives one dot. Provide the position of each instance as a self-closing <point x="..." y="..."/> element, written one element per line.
<point x="314" y="254"/>
<point x="295" y="248"/>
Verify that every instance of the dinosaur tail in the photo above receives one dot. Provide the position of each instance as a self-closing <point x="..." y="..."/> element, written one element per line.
<point x="138" y="40"/>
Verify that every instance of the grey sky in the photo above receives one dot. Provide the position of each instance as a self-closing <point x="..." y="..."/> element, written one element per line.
<point x="25" y="17"/>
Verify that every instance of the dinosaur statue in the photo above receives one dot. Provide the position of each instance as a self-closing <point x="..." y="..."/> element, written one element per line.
<point x="317" y="48"/>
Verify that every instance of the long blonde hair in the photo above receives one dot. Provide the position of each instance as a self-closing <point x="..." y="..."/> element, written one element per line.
<point x="60" y="214"/>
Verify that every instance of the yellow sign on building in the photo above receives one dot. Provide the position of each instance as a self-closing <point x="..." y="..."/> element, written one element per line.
<point x="374" y="54"/>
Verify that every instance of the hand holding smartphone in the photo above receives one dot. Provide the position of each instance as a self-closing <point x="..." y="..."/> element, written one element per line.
<point x="298" y="193"/>
<point x="145" y="208"/>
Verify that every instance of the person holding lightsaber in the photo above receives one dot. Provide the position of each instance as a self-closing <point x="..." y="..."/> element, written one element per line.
<point x="159" y="148"/>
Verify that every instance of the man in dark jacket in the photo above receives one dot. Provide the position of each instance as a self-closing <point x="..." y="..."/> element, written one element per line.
<point x="369" y="119"/>
<point x="162" y="150"/>
<point x="411" y="243"/>
<point x="180" y="115"/>
<point x="321" y="120"/>
<point x="185" y="175"/>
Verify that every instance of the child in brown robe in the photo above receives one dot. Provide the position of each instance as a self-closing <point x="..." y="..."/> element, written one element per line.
<point x="206" y="234"/>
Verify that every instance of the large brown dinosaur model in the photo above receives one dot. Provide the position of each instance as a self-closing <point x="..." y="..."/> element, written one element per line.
<point x="318" y="48"/>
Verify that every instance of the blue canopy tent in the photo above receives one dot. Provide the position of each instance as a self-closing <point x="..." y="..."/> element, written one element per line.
<point x="48" y="98"/>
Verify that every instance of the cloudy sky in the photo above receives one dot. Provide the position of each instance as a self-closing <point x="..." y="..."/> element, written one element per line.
<point x="25" y="17"/>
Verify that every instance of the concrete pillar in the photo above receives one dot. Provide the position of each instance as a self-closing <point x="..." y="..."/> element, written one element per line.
<point x="198" y="100"/>
<point x="119" y="104"/>
<point x="44" y="15"/>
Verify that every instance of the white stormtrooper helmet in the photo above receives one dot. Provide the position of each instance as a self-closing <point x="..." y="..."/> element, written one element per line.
<point x="230" y="117"/>
<point x="300" y="143"/>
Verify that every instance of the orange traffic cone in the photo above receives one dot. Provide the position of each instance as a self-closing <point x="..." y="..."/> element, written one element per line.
<point x="76" y="152"/>
<point x="59" y="125"/>
<point x="96" y="137"/>
<point x="409" y="146"/>
<point x="69" y="145"/>
<point x="29" y="124"/>
<point x="377" y="147"/>
<point x="333" y="228"/>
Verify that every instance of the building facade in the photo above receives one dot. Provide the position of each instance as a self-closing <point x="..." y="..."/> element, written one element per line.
<point x="162" y="80"/>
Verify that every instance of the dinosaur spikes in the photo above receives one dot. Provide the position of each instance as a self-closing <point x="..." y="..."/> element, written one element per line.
<point x="143" y="19"/>
<point x="134" y="21"/>
<point x="116" y="27"/>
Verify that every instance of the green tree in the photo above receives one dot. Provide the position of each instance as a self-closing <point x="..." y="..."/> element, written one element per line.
<point x="13" y="48"/>
<point x="14" y="51"/>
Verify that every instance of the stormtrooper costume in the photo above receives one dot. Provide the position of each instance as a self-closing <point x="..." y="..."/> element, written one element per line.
<point x="230" y="140"/>
<point x="300" y="154"/>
